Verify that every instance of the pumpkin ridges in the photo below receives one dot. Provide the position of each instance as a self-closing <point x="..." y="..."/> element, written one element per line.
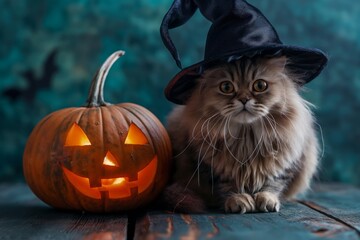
<point x="165" y="148"/>
<point x="88" y="118"/>
<point x="140" y="121"/>
<point x="151" y="126"/>
<point x="157" y="137"/>
<point x="132" y="107"/>
<point x="63" y="125"/>
<point x="35" y="134"/>
<point x="36" y="162"/>
<point x="146" y="150"/>
<point x="125" y="111"/>
<point x="120" y="130"/>
<point x="120" y="123"/>
<point x="77" y="196"/>
<point x="87" y="121"/>
<point x="125" y="122"/>
<point x="67" y="123"/>
<point x="116" y="124"/>
<point x="163" y="136"/>
<point x="30" y="151"/>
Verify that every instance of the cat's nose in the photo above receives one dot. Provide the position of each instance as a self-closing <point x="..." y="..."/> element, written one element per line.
<point x="244" y="100"/>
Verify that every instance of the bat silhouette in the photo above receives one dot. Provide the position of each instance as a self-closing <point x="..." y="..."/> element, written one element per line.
<point x="35" y="83"/>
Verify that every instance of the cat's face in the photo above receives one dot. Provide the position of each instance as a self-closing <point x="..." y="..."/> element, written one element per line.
<point x="245" y="91"/>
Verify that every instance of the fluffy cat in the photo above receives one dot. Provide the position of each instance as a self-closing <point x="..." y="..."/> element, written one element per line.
<point x="244" y="140"/>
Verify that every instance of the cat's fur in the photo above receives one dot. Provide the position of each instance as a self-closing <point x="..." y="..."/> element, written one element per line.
<point x="242" y="161"/>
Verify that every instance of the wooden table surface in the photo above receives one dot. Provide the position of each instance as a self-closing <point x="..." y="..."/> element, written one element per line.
<point x="330" y="211"/>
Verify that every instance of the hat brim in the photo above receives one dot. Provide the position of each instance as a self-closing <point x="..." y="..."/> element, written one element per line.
<point x="304" y="63"/>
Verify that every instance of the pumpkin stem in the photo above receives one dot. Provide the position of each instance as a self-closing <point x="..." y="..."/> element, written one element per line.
<point x="96" y="91"/>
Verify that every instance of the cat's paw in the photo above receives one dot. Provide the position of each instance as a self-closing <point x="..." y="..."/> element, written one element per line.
<point x="267" y="202"/>
<point x="239" y="203"/>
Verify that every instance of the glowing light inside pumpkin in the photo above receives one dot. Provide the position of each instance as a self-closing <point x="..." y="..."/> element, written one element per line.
<point x="112" y="181"/>
<point x="110" y="160"/>
<point x="115" y="187"/>
<point x="135" y="136"/>
<point x="76" y="137"/>
<point x="146" y="176"/>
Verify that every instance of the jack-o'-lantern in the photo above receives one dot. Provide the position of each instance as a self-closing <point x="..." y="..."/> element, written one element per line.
<point x="98" y="158"/>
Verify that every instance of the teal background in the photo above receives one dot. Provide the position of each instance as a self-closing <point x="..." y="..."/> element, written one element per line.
<point x="84" y="32"/>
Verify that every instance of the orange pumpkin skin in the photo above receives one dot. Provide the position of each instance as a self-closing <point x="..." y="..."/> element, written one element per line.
<point x="109" y="172"/>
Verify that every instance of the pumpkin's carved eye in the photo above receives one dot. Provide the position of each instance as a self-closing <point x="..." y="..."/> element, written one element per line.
<point x="76" y="137"/>
<point x="110" y="160"/>
<point x="135" y="136"/>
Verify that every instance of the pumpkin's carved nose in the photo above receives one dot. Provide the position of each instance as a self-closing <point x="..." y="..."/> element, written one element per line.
<point x="110" y="160"/>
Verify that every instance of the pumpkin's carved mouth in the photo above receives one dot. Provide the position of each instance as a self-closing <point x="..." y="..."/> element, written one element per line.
<point x="114" y="188"/>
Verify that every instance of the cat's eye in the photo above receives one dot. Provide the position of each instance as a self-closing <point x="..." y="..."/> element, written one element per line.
<point x="260" y="85"/>
<point x="227" y="87"/>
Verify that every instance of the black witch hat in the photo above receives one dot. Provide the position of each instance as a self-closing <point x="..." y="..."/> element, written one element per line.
<point x="238" y="29"/>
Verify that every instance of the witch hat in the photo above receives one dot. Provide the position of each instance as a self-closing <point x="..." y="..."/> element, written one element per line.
<point x="238" y="29"/>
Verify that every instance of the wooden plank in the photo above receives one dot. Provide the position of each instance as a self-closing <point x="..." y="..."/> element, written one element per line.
<point x="331" y="211"/>
<point x="23" y="216"/>
<point x="294" y="221"/>
<point x="341" y="202"/>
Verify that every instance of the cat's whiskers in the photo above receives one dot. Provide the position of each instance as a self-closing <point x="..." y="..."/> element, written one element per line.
<point x="256" y="151"/>
<point x="258" y="109"/>
<point x="229" y="130"/>
<point x="204" y="138"/>
<point x="196" y="170"/>
<point x="193" y="136"/>
<point x="226" y="143"/>
<point x="194" y="128"/>
<point x="206" y="125"/>
<point x="308" y="105"/>
<point x="242" y="162"/>
<point x="251" y="158"/>
<point x="214" y="137"/>
<point x="203" y="125"/>
<point x="201" y="159"/>
<point x="322" y="140"/>
<point x="287" y="115"/>
<point x="272" y="123"/>
<point x="229" y="109"/>
<point x="274" y="135"/>
<point x="212" y="171"/>
<point x="212" y="156"/>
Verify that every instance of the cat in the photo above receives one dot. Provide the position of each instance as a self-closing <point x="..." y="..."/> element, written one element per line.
<point x="244" y="140"/>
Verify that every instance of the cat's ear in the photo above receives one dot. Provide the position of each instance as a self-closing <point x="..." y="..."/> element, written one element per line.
<point x="276" y="63"/>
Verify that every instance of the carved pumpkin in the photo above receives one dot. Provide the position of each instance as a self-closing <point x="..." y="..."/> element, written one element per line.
<point x="98" y="158"/>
